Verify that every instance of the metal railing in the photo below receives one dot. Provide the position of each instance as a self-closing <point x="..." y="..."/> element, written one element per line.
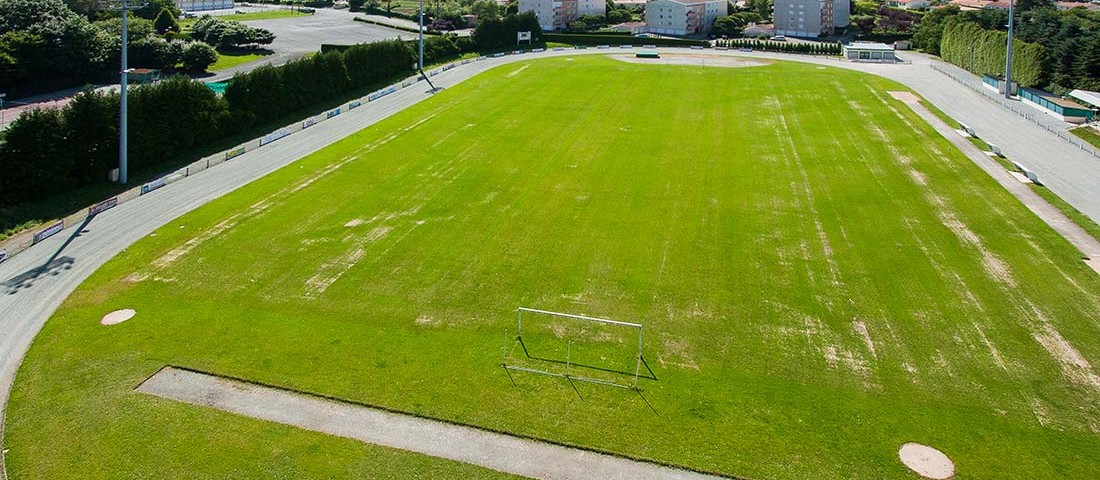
<point x="1028" y="114"/>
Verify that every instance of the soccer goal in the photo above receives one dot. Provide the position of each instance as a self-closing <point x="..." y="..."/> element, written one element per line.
<point x="576" y="347"/>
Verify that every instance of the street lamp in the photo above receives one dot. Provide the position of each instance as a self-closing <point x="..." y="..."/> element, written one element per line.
<point x="420" y="63"/>
<point x="122" y="133"/>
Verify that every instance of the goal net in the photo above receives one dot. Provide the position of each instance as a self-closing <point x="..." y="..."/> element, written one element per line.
<point x="575" y="347"/>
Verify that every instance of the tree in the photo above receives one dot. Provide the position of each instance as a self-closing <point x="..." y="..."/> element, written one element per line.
<point x="728" y="26"/>
<point x="1025" y="5"/>
<point x="91" y="120"/>
<point x="197" y="56"/>
<point x="355" y="5"/>
<point x="930" y="30"/>
<point x="34" y="157"/>
<point x="485" y="9"/>
<point x="166" y="22"/>
<point x="152" y="8"/>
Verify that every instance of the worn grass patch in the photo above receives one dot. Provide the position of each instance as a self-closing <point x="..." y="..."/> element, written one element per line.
<point x="821" y="276"/>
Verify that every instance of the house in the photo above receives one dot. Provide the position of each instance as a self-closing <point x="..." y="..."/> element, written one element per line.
<point x="556" y="14"/>
<point x="683" y="17"/>
<point x="633" y="28"/>
<point x="869" y="52"/>
<point x="909" y="4"/>
<point x="810" y="18"/>
<point x="201" y="5"/>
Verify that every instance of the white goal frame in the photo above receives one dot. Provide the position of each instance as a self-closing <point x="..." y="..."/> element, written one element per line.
<point x="568" y="375"/>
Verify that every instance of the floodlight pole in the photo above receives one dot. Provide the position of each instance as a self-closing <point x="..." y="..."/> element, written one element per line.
<point x="421" y="30"/>
<point x="1008" y="53"/>
<point x="122" y="133"/>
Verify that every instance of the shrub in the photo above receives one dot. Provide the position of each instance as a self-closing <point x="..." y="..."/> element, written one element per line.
<point x="198" y="56"/>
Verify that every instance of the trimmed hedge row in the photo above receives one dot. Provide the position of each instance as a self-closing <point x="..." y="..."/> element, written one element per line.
<point x="786" y="47"/>
<point x="982" y="51"/>
<point x="586" y="39"/>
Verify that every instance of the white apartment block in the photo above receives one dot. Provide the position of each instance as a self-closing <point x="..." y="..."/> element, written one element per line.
<point x="556" y="14"/>
<point x="682" y="17"/>
<point x="810" y="18"/>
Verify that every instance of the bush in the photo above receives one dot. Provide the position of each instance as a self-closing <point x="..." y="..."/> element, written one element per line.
<point x="493" y="33"/>
<point x="155" y="52"/>
<point x="169" y="118"/>
<point x="982" y="51"/>
<point x="228" y="34"/>
<point x="198" y="56"/>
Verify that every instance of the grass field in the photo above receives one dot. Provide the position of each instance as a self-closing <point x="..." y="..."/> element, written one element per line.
<point x="186" y="23"/>
<point x="229" y="59"/>
<point x="821" y="279"/>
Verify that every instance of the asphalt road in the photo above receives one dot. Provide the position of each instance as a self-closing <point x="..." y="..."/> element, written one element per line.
<point x="34" y="283"/>
<point x="297" y="36"/>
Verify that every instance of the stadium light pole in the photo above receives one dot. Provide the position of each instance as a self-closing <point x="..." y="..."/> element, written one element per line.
<point x="420" y="61"/>
<point x="1008" y="53"/>
<point x="122" y="133"/>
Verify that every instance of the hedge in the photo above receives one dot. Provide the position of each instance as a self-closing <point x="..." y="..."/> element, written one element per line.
<point x="982" y="51"/>
<point x="587" y="39"/>
<point x="786" y="47"/>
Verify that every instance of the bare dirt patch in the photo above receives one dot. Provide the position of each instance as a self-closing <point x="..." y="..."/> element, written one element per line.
<point x="697" y="60"/>
<point x="926" y="461"/>
<point x="118" y="316"/>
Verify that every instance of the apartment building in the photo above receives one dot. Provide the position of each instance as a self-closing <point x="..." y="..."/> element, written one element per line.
<point x="810" y="18"/>
<point x="682" y="17"/>
<point x="556" y="14"/>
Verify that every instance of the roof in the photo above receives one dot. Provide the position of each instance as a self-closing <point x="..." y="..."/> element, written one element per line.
<point x="1089" y="97"/>
<point x="1052" y="98"/>
<point x="1069" y="5"/>
<point x="882" y="47"/>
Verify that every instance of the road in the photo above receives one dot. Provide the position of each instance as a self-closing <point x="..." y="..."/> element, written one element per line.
<point x="39" y="279"/>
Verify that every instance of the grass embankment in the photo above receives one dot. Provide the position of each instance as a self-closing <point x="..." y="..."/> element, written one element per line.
<point x="814" y="292"/>
<point x="1087" y="134"/>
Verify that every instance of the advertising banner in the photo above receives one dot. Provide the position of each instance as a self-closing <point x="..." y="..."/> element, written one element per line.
<point x="102" y="206"/>
<point x="49" y="231"/>
<point x="277" y="134"/>
<point x="309" y="123"/>
<point x="334" y="112"/>
<point x="155" y="184"/>
<point x="355" y="104"/>
<point x="236" y="152"/>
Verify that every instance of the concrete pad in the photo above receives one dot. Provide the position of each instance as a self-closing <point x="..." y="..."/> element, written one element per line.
<point x="926" y="461"/>
<point x="497" y="451"/>
<point x="118" y="316"/>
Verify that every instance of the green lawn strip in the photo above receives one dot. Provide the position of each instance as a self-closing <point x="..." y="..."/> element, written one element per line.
<point x="229" y="59"/>
<point x="748" y="229"/>
<point x="1087" y="134"/>
<point x="185" y="23"/>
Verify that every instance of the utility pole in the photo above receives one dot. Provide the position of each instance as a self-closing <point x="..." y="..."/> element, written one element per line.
<point x="1008" y="54"/>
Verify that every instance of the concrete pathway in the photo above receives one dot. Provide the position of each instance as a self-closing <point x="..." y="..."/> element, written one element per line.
<point x="1087" y="244"/>
<point x="504" y="453"/>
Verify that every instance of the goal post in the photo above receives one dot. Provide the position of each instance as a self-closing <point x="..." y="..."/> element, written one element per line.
<point x="596" y="350"/>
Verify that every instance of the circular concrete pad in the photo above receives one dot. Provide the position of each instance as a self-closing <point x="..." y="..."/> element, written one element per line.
<point x="118" y="316"/>
<point x="926" y="461"/>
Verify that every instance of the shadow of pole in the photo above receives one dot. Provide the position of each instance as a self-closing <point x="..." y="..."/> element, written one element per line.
<point x="52" y="266"/>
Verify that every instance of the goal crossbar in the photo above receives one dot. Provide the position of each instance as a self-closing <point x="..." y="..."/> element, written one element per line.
<point x="519" y="336"/>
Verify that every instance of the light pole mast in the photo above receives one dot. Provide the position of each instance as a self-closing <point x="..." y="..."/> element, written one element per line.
<point x="122" y="133"/>
<point x="1008" y="53"/>
<point x="420" y="62"/>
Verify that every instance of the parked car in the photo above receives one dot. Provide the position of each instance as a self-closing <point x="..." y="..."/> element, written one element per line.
<point x="779" y="38"/>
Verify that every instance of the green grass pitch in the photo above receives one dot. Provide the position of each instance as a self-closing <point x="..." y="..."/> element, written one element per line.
<point x="820" y="275"/>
